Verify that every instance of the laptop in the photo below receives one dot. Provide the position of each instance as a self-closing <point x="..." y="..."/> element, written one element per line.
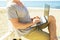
<point x="44" y="20"/>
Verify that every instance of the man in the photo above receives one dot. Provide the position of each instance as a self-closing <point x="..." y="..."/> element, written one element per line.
<point x="20" y="18"/>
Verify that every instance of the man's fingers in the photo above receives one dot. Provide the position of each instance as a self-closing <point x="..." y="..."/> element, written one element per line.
<point x="36" y="20"/>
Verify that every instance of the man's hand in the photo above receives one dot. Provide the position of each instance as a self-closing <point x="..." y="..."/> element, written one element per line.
<point x="36" y="20"/>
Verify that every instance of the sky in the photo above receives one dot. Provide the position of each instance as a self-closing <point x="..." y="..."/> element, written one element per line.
<point x="35" y="3"/>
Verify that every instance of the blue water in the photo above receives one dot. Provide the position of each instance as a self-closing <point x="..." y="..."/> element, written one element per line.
<point x="3" y="3"/>
<point x="53" y="4"/>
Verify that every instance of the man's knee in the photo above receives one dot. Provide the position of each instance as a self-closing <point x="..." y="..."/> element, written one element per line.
<point x="52" y="19"/>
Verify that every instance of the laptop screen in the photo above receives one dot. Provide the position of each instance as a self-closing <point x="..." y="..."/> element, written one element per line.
<point x="46" y="10"/>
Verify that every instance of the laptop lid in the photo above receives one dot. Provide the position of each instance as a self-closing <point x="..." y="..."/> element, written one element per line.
<point x="46" y="11"/>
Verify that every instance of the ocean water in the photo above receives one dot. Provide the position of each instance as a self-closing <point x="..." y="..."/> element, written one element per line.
<point x="53" y="4"/>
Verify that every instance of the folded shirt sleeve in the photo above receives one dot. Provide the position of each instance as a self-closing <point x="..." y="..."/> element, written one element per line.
<point x="11" y="12"/>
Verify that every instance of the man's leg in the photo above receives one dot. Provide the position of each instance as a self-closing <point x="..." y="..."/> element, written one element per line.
<point x="52" y="28"/>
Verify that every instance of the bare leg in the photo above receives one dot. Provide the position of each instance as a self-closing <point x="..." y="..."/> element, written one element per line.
<point x="52" y="28"/>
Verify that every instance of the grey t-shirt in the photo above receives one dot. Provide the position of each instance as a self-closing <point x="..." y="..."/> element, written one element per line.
<point x="15" y="11"/>
<point x="20" y="12"/>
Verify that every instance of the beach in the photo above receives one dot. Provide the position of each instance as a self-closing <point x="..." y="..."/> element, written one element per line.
<point x="33" y="11"/>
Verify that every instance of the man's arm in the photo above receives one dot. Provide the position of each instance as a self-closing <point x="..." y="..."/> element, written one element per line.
<point x="19" y="25"/>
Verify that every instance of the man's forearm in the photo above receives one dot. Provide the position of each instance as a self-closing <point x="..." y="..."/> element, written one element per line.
<point x="19" y="25"/>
